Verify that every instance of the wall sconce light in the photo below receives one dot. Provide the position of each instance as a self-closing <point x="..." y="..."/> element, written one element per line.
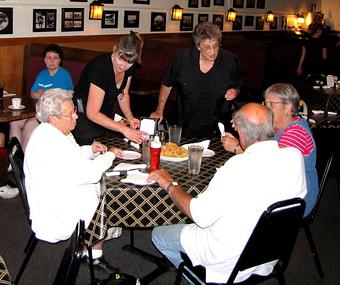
<point x="270" y="17"/>
<point x="231" y="15"/>
<point x="300" y="19"/>
<point x="96" y="10"/>
<point x="176" y="13"/>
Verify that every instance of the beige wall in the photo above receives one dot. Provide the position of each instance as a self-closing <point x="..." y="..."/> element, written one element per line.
<point x="331" y="10"/>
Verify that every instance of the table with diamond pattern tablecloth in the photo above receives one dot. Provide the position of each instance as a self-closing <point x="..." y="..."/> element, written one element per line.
<point x="132" y="206"/>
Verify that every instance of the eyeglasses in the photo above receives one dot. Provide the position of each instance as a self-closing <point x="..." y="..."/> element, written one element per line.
<point x="75" y="111"/>
<point x="207" y="48"/>
<point x="271" y="104"/>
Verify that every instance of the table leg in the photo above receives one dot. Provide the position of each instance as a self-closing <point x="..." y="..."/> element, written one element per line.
<point x="163" y="265"/>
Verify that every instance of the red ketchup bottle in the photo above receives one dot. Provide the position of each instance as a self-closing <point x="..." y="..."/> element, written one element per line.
<point x="155" y="152"/>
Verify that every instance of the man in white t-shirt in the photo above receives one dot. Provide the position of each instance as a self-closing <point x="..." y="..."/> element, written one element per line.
<point x="62" y="178"/>
<point x="226" y="213"/>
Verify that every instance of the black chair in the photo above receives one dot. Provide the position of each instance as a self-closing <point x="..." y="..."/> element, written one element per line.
<point x="273" y="238"/>
<point x="69" y="266"/>
<point x="5" y="277"/>
<point x="310" y="218"/>
<point x="16" y="158"/>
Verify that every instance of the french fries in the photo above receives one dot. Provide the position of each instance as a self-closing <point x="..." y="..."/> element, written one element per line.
<point x="173" y="150"/>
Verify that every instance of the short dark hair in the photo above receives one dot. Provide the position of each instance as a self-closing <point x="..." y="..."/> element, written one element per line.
<point x="206" y="30"/>
<point x="53" y="48"/>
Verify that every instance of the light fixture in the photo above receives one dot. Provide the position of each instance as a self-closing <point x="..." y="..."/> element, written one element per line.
<point x="300" y="19"/>
<point x="231" y="15"/>
<point x="270" y="17"/>
<point x="96" y="10"/>
<point x="176" y="13"/>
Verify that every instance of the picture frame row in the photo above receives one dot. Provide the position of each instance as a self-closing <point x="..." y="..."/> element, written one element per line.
<point x="258" y="4"/>
<point x="146" y="2"/>
<point x="45" y="20"/>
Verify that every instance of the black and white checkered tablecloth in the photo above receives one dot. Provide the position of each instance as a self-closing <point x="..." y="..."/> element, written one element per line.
<point x="126" y="205"/>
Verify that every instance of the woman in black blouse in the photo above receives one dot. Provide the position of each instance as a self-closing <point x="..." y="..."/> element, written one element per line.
<point x="104" y="80"/>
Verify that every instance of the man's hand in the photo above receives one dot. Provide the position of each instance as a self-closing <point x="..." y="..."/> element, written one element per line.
<point x="229" y="142"/>
<point x="98" y="147"/>
<point x="231" y="94"/>
<point x="161" y="176"/>
<point x="134" y="123"/>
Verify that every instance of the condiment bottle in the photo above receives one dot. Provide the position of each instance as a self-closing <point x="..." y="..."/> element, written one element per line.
<point x="155" y="152"/>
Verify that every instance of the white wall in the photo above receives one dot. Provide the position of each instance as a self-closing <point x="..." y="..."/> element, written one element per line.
<point x="23" y="14"/>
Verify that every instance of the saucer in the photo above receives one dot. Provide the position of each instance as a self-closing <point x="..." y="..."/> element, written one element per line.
<point x="20" y="107"/>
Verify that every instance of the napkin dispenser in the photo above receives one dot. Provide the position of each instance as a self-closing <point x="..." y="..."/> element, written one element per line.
<point x="149" y="125"/>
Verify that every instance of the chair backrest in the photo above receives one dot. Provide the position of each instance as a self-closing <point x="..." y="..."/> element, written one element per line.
<point x="273" y="237"/>
<point x="323" y="170"/>
<point x="16" y="158"/>
<point x="70" y="263"/>
<point x="5" y="277"/>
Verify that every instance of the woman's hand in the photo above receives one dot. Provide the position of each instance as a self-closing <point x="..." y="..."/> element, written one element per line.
<point x="134" y="135"/>
<point x="116" y="150"/>
<point x="134" y="123"/>
<point x="229" y="142"/>
<point x="98" y="147"/>
<point x="231" y="94"/>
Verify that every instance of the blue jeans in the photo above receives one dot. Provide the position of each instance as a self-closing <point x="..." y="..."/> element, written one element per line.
<point x="167" y="240"/>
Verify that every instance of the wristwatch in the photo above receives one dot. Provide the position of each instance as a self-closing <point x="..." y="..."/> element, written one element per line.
<point x="172" y="184"/>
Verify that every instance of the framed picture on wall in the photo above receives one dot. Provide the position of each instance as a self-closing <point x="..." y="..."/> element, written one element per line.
<point x="187" y="22"/>
<point x="106" y="1"/>
<point x="44" y="20"/>
<point x="237" y="24"/>
<point x="72" y="19"/>
<point x="249" y="21"/>
<point x="203" y="18"/>
<point x="6" y="21"/>
<point x="238" y="3"/>
<point x="205" y="3"/>
<point x="131" y="19"/>
<point x="219" y="2"/>
<point x="147" y="2"/>
<point x="193" y="3"/>
<point x="110" y="19"/>
<point x="250" y="4"/>
<point x="260" y="4"/>
<point x="218" y="20"/>
<point x="78" y="0"/>
<point x="259" y="23"/>
<point x="158" y="22"/>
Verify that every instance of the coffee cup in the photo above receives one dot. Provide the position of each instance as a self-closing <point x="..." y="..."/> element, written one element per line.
<point x="195" y="159"/>
<point x="16" y="103"/>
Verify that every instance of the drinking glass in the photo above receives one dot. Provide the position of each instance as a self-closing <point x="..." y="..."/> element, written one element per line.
<point x="195" y="159"/>
<point x="175" y="132"/>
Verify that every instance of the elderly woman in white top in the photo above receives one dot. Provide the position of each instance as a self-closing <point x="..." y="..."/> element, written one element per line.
<point x="62" y="178"/>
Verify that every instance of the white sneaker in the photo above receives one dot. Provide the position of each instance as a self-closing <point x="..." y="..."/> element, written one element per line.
<point x="7" y="192"/>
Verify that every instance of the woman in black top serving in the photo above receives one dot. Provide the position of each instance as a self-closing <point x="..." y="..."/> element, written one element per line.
<point x="206" y="77"/>
<point x="104" y="80"/>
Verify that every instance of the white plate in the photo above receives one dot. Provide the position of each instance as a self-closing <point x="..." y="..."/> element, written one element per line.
<point x="208" y="152"/>
<point x="20" y="108"/>
<point x="130" y="155"/>
<point x="173" y="159"/>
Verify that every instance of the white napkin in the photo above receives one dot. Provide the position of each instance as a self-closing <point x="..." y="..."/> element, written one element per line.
<point x="128" y="166"/>
<point x="135" y="145"/>
<point x="204" y="143"/>
<point x="137" y="177"/>
<point x="317" y="112"/>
